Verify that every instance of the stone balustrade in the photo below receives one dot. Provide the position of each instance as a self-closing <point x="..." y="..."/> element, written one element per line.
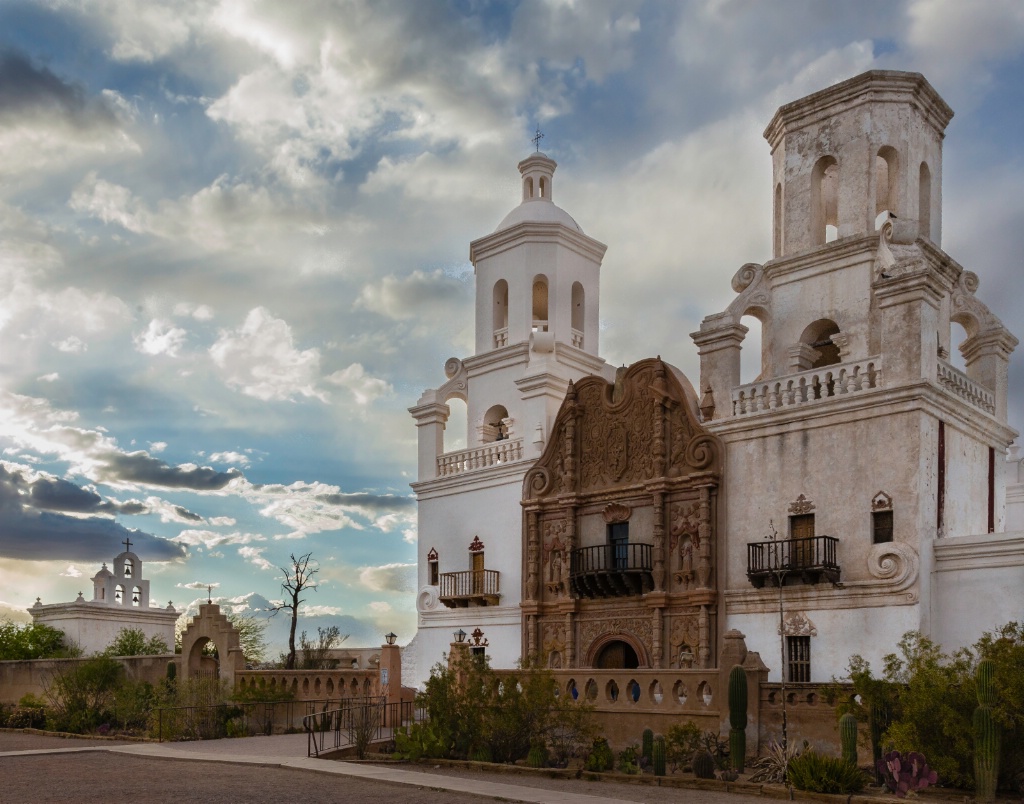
<point x="310" y="684"/>
<point x="807" y="387"/>
<point x="500" y="337"/>
<point x="958" y="383"/>
<point x="577" y="338"/>
<point x="469" y="460"/>
<point x="651" y="691"/>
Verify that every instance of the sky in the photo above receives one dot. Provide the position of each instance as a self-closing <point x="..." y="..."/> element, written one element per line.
<point x="234" y="245"/>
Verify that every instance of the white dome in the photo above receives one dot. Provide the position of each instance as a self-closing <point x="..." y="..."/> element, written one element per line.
<point x="538" y="211"/>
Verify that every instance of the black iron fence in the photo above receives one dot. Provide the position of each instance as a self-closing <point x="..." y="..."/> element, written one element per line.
<point x="214" y="721"/>
<point x="611" y="558"/>
<point x="812" y="558"/>
<point x="356" y="724"/>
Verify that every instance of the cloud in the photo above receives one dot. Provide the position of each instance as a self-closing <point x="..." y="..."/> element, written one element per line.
<point x="72" y="572"/>
<point x="254" y="555"/>
<point x="51" y="377"/>
<point x="364" y="388"/>
<point x="209" y="539"/>
<point x="260" y="360"/>
<point x="389" y="578"/>
<point x="140" y="468"/>
<point x="231" y="457"/>
<point x="198" y="585"/>
<point x="161" y="337"/>
<point x="417" y="294"/>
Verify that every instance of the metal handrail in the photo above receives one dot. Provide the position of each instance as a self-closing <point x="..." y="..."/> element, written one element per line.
<point x="375" y="716"/>
<point x="793" y="554"/>
<point x="470" y="583"/>
<point x="611" y="558"/>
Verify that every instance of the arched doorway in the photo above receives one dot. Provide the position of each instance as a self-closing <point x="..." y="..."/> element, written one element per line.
<point x="617" y="655"/>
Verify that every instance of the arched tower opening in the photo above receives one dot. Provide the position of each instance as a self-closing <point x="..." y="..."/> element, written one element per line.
<point x="825" y="201"/>
<point x="499" y="314"/>
<point x="578" y="314"/>
<point x="818" y="336"/>
<point x="752" y="363"/>
<point x="777" y="219"/>
<point x="540" y="303"/>
<point x="495" y="426"/>
<point x="528" y="188"/>
<point x="886" y="182"/>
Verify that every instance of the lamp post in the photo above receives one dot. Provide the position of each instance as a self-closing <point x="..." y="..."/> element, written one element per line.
<point x="390" y="638"/>
<point x="779" y="573"/>
<point x="460" y="636"/>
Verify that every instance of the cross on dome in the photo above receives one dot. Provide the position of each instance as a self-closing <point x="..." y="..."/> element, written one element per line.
<point x="537" y="138"/>
<point x="127" y="544"/>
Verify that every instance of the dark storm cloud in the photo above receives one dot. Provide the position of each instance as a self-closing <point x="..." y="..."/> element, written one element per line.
<point x="33" y="536"/>
<point x="26" y="90"/>
<point x="376" y="502"/>
<point x="54" y="494"/>
<point x="142" y="468"/>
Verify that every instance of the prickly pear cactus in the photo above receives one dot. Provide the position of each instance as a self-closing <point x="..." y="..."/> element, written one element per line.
<point x="658" y="756"/>
<point x="987" y="736"/>
<point x="848" y="737"/>
<point x="904" y="774"/>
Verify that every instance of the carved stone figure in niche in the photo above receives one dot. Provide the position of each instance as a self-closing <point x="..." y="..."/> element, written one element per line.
<point x="686" y="519"/>
<point x="555" y="660"/>
<point x="684" y="661"/>
<point x="553" y="644"/>
<point x="555" y="548"/>
<point x="685" y="575"/>
<point x="683" y="636"/>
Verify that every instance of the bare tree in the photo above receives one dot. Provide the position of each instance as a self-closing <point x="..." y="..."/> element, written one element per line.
<point x="297" y="578"/>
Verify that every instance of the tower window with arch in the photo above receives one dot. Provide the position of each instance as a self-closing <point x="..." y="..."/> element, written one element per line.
<point x="825" y="200"/>
<point x="819" y="337"/>
<point x="499" y="315"/>
<point x="119" y="594"/>
<point x="540" y="303"/>
<point x="886" y="182"/>
<point x="496" y="424"/>
<point x="129" y="567"/>
<point x="578" y="314"/>
<point x="777" y="222"/>
<point x="136" y="596"/>
<point x="528" y="188"/>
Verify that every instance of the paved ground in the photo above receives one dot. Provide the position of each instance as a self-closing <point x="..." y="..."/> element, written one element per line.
<point x="42" y="768"/>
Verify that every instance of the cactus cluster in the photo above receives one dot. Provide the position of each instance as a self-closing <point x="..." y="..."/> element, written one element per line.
<point x="904" y="774"/>
<point x="703" y="765"/>
<point x="738" y="717"/>
<point x="658" y="756"/>
<point x="848" y="737"/>
<point x="987" y="737"/>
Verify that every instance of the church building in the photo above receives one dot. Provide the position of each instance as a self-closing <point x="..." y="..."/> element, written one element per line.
<point x="855" y="490"/>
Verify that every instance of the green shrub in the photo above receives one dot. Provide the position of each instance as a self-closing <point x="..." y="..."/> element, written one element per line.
<point x="600" y="758"/>
<point x="819" y="773"/>
<point x="538" y="756"/>
<point x="134" y="642"/>
<point x="629" y="760"/>
<point x="27" y="717"/>
<point x="80" y="694"/>
<point x="681" y="743"/>
<point x="33" y="641"/>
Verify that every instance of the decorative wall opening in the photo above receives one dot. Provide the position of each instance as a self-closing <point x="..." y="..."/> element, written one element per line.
<point x="578" y="314"/>
<point x="825" y="201"/>
<point x="543" y="188"/>
<point x="957" y="336"/>
<point x="798" y="659"/>
<point x="881" y="527"/>
<point x="129" y="567"/>
<point x="777" y="220"/>
<point x="433" y="576"/>
<point x="924" y="201"/>
<point x="751" y="352"/>
<point x="136" y="596"/>
<point x="119" y="594"/>
<point x="540" y="304"/>
<point x="528" y="188"/>
<point x="886" y="175"/>
<point x="819" y="337"/>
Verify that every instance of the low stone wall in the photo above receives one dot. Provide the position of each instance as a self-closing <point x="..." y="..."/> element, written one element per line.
<point x="808" y="717"/>
<point x="304" y="685"/>
<point x="21" y="678"/>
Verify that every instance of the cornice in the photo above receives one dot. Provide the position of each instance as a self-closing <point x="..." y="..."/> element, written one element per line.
<point x="536" y="232"/>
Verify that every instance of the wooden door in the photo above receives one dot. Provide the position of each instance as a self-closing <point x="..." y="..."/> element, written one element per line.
<point x="801" y="530"/>
<point x="478" y="573"/>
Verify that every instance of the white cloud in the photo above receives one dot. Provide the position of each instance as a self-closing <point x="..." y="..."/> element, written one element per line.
<point x="160" y="337"/>
<point x="380" y="607"/>
<point x="197" y="585"/>
<point x="389" y="578"/>
<point x="363" y="387"/>
<point x="260" y="360"/>
<point x="200" y="312"/>
<point x="222" y="521"/>
<point x="254" y="555"/>
<point x="208" y="539"/>
<point x="71" y="572"/>
<point x="72" y="344"/>
<point x="230" y="457"/>
<point x="51" y="377"/>
<point x="308" y="610"/>
<point x="157" y="446"/>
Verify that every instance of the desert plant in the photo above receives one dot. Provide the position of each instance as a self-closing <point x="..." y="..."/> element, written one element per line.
<point x="26" y="717"/>
<point x="600" y="757"/>
<point x="134" y="642"/>
<point x="820" y="773"/>
<point x="681" y="743"/>
<point x="538" y="756"/>
<point x="79" y="695"/>
<point x="904" y="774"/>
<point x="738" y="717"/>
<point x="658" y="756"/>
<point x="629" y="760"/>
<point x="773" y="766"/>
<point x="33" y="641"/>
<point x="647" y="744"/>
<point x="986" y="735"/>
<point x="848" y="737"/>
<point x="703" y="765"/>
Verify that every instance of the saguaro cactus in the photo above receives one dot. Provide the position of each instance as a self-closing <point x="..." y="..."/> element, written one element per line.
<point x="987" y="736"/>
<point x="738" y="717"/>
<point x="658" y="756"/>
<point x="848" y="737"/>
<point x="647" y="745"/>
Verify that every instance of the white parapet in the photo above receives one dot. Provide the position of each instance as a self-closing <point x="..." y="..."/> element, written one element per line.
<point x="469" y="460"/>
<point x="807" y="387"/>
<point x="956" y="382"/>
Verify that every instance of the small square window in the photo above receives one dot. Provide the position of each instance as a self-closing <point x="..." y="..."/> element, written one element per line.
<point x="881" y="527"/>
<point x="798" y="659"/>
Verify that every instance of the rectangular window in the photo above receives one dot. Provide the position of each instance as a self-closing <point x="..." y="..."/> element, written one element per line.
<point x="798" y="659"/>
<point x="433" y="574"/>
<point x="881" y="527"/>
<point x="618" y="541"/>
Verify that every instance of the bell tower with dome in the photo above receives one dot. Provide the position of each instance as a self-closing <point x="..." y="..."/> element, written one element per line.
<point x="537" y="308"/>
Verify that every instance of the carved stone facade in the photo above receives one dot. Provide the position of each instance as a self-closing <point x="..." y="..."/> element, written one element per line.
<point x="621" y="524"/>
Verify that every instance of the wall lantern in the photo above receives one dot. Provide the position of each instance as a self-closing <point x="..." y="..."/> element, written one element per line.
<point x="390" y="638"/>
<point x="460" y="636"/>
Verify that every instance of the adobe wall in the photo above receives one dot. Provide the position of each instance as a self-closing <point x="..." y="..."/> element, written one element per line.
<point x="19" y="678"/>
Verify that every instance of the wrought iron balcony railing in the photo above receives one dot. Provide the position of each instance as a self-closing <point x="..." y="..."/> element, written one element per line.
<point x="479" y="587"/>
<point x="812" y="560"/>
<point x="609" y="570"/>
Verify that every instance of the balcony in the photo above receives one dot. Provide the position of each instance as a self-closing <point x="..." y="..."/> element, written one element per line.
<point x="470" y="588"/>
<point x="807" y="387"/>
<point x="494" y="453"/>
<point x="812" y="560"/>
<point x="611" y="570"/>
